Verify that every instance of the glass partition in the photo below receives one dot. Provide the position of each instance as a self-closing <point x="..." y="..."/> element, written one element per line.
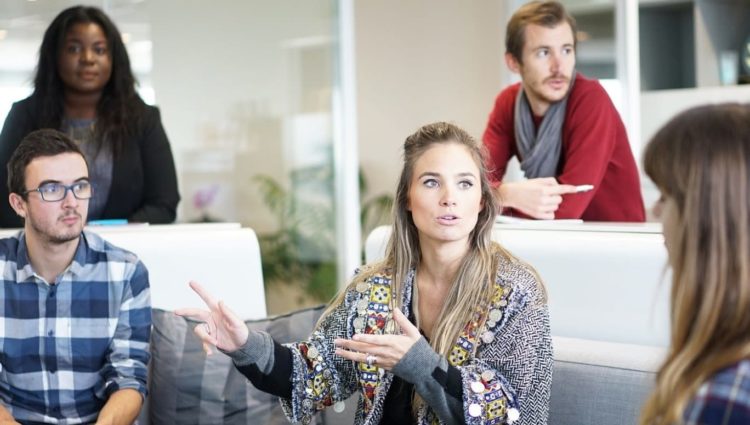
<point x="245" y="90"/>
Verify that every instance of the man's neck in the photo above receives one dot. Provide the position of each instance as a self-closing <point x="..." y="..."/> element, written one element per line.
<point x="539" y="107"/>
<point x="49" y="259"/>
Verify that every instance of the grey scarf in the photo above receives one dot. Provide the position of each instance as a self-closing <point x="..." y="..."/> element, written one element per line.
<point x="540" y="153"/>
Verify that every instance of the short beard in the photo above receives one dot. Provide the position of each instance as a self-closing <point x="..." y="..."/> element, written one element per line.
<point x="53" y="239"/>
<point x="61" y="239"/>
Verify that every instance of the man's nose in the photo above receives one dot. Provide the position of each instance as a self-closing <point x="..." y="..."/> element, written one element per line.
<point x="69" y="200"/>
<point x="554" y="62"/>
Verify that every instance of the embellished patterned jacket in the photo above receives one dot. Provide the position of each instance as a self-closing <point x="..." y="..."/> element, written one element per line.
<point x="504" y="356"/>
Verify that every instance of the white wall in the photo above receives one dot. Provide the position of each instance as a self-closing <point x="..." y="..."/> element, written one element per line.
<point x="421" y="61"/>
<point x="224" y="77"/>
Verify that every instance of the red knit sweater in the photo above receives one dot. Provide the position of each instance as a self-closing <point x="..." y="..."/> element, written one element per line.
<point x="595" y="151"/>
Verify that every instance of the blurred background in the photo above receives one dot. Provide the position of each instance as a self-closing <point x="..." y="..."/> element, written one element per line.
<point x="288" y="116"/>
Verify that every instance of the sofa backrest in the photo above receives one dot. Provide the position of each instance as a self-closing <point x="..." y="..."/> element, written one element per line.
<point x="188" y="387"/>
<point x="601" y="383"/>
<point x="605" y="282"/>
<point x="593" y="383"/>
<point x="223" y="257"/>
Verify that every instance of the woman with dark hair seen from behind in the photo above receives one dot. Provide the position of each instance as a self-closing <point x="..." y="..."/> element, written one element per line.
<point x="700" y="161"/>
<point x="449" y="328"/>
<point x="84" y="86"/>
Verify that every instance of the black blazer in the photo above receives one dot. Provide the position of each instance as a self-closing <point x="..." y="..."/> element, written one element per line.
<point x="144" y="182"/>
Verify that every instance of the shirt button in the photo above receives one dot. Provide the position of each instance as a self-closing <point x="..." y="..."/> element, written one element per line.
<point x="52" y="293"/>
<point x="50" y="333"/>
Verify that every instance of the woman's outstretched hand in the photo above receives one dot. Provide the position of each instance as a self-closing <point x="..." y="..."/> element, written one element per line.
<point x="221" y="327"/>
<point x="382" y="350"/>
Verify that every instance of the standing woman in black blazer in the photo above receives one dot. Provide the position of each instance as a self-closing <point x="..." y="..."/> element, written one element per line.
<point x="84" y="86"/>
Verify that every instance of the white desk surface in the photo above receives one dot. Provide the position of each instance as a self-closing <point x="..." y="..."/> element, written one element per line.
<point x="588" y="226"/>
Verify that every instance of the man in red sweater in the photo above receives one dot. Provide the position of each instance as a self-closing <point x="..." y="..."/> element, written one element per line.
<point x="562" y="126"/>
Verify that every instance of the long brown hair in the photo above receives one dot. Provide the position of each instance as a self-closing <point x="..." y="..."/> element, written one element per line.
<point x="700" y="160"/>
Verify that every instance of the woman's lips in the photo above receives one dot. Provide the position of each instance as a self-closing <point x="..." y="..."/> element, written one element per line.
<point x="448" y="219"/>
<point x="88" y="75"/>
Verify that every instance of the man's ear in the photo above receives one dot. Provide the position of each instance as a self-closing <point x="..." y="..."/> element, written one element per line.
<point x="18" y="204"/>
<point x="512" y="63"/>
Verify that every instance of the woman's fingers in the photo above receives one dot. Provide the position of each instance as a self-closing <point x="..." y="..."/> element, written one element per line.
<point x="407" y="328"/>
<point x="204" y="294"/>
<point x="209" y="340"/>
<point x="194" y="314"/>
<point x="230" y="317"/>
<point x="356" y="345"/>
<point x="381" y="359"/>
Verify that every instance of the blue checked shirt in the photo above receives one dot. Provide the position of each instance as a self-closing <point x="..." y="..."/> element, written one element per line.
<point x="723" y="400"/>
<point x="65" y="348"/>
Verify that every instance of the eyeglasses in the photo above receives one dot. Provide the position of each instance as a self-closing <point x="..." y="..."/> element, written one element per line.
<point x="54" y="192"/>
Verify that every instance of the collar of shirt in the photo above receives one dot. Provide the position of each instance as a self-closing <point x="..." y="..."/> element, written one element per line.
<point x="26" y="271"/>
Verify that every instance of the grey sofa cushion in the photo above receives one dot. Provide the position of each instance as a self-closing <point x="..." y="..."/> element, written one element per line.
<point x="188" y="387"/>
<point x="601" y="383"/>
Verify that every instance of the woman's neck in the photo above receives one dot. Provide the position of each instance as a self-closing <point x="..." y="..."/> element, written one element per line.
<point x="439" y="264"/>
<point x="81" y="105"/>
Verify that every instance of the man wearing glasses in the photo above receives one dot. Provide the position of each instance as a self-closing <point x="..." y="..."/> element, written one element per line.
<point x="75" y="313"/>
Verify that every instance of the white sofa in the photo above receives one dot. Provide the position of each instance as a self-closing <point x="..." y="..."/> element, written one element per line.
<point x="608" y="311"/>
<point x="223" y="257"/>
<point x="605" y="282"/>
<point x="594" y="383"/>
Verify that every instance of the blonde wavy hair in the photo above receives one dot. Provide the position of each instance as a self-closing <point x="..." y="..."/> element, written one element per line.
<point x="701" y="161"/>
<point x="473" y="283"/>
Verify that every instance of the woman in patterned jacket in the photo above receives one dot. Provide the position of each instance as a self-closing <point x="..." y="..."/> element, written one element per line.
<point x="449" y="328"/>
<point x="700" y="161"/>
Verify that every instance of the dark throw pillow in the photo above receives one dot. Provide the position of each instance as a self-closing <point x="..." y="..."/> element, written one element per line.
<point x="188" y="387"/>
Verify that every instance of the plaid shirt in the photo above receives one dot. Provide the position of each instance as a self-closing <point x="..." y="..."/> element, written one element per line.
<point x="724" y="399"/>
<point x="65" y="348"/>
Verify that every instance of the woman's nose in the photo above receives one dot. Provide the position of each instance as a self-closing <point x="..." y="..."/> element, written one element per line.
<point x="447" y="199"/>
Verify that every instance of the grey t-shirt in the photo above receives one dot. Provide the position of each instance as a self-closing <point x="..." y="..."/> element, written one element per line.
<point x="99" y="160"/>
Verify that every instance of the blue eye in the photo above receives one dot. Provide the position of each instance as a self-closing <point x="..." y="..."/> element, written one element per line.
<point x="430" y="183"/>
<point x="51" y="188"/>
<point x="465" y="184"/>
<point x="81" y="186"/>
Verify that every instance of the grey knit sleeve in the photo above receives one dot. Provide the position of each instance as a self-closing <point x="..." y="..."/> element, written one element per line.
<point x="258" y="350"/>
<point x="422" y="366"/>
<point x="508" y="378"/>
